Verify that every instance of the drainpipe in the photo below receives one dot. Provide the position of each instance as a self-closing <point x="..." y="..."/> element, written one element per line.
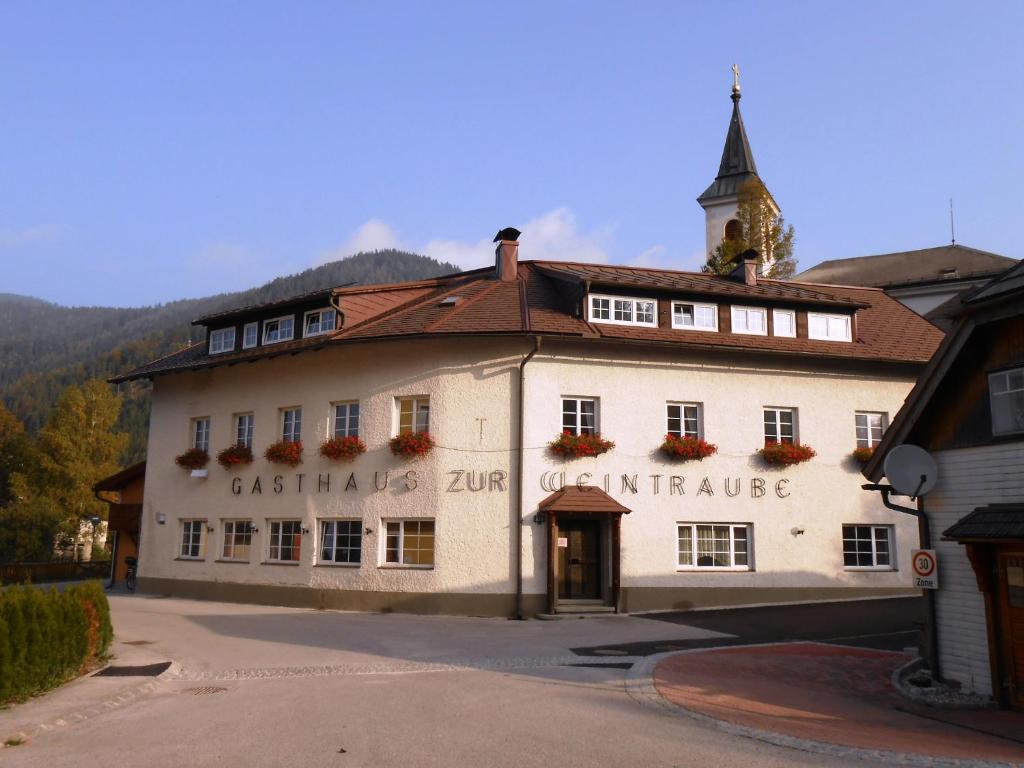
<point x="924" y="533"/>
<point x="517" y="506"/>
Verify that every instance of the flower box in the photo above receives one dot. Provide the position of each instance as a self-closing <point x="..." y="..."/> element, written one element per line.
<point x="570" y="446"/>
<point x="412" y="445"/>
<point x="687" y="448"/>
<point x="786" y="454"/>
<point x="863" y="455"/>
<point x="193" y="458"/>
<point x="342" y="448"/>
<point x="284" y="452"/>
<point x="234" y="455"/>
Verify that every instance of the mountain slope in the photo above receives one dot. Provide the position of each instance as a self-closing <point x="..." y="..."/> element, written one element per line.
<point x="44" y="347"/>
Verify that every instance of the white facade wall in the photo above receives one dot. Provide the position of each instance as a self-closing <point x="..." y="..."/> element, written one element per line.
<point x="472" y="386"/>
<point x="968" y="478"/>
<point x="824" y="493"/>
<point x="465" y="381"/>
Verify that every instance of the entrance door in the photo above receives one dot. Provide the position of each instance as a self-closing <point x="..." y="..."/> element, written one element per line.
<point x="1011" y="574"/>
<point x="579" y="562"/>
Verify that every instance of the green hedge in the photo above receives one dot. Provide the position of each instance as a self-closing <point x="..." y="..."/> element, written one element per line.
<point x="47" y="637"/>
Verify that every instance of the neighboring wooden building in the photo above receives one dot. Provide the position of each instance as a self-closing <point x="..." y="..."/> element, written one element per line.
<point x="968" y="410"/>
<point x="124" y="493"/>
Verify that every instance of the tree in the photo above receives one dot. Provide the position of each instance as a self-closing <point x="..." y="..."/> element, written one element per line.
<point x="18" y="456"/>
<point x="757" y="226"/>
<point x="80" y="447"/>
<point x="31" y="527"/>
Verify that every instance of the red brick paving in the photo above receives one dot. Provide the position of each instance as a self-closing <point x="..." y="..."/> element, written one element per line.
<point x="832" y="694"/>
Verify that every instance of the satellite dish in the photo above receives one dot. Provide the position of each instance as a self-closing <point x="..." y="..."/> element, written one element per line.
<point x="911" y="470"/>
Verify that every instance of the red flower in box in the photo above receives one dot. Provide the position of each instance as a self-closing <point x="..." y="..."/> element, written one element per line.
<point x="863" y="455"/>
<point x="342" y="448"/>
<point x="786" y="454"/>
<point x="687" y="448"/>
<point x="284" y="452"/>
<point x="234" y="455"/>
<point x="193" y="458"/>
<point x="412" y="445"/>
<point x="570" y="446"/>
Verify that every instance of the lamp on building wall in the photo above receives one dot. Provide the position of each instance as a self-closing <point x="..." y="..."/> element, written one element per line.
<point x="797" y="531"/>
<point x="368" y="531"/>
<point x="305" y="530"/>
<point x="210" y="529"/>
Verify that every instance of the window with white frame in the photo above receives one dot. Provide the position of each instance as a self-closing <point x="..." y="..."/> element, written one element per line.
<point x="192" y="539"/>
<point x="201" y="433"/>
<point x="684" y="419"/>
<point x="291" y="425"/>
<point x="341" y="541"/>
<point x="245" y="423"/>
<point x="285" y="541"/>
<point x="1006" y="397"/>
<point x="624" y="311"/>
<point x="237" y="540"/>
<point x="222" y="340"/>
<point x="784" y="322"/>
<point x="714" y="545"/>
<point x="870" y="428"/>
<point x="828" y="327"/>
<point x="319" y="321"/>
<point x="692" y="316"/>
<point x="346" y="419"/>
<point x="753" y="320"/>
<point x="413" y="415"/>
<point x="579" y="415"/>
<point x="409" y="542"/>
<point x="250" y="335"/>
<point x="779" y="425"/>
<point x="868" y="546"/>
<point x="278" y="329"/>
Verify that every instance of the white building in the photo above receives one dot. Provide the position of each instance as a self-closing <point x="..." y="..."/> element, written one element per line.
<point x="495" y="364"/>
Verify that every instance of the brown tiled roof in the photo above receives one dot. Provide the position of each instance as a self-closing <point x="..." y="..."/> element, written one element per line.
<point x="545" y="300"/>
<point x="324" y="293"/>
<point x="118" y="480"/>
<point x="585" y="499"/>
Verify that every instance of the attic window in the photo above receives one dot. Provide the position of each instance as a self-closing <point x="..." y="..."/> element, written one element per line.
<point x="278" y="329"/>
<point x="319" y="321"/>
<point x="828" y="327"/>
<point x="620" y="310"/>
<point x="222" y="340"/>
<point x="949" y="273"/>
<point x="450" y="301"/>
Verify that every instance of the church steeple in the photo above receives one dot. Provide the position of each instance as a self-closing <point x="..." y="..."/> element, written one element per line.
<point x="720" y="200"/>
<point x="737" y="164"/>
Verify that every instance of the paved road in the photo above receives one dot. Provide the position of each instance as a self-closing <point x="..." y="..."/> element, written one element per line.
<point x="266" y="686"/>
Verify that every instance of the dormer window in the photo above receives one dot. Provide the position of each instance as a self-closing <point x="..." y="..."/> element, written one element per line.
<point x="752" y="320"/>
<point x="692" y="316"/>
<point x="222" y="340"/>
<point x="1006" y="396"/>
<point x="319" y="321"/>
<point x="828" y="327"/>
<point x="250" y="335"/>
<point x="620" y="310"/>
<point x="278" y="329"/>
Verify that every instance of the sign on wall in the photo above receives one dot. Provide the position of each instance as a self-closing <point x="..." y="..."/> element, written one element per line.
<point x="926" y="568"/>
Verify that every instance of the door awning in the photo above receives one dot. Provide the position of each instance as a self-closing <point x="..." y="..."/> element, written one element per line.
<point x="994" y="523"/>
<point x="581" y="500"/>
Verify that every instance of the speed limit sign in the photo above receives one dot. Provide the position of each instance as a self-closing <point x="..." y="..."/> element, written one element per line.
<point x="926" y="569"/>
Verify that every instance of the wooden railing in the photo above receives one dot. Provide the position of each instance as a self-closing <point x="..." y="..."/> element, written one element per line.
<point x="57" y="570"/>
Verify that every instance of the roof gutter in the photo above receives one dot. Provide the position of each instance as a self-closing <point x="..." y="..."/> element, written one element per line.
<point x="517" y="507"/>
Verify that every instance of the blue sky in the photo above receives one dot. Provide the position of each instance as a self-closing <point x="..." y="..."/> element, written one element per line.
<point x="154" y="151"/>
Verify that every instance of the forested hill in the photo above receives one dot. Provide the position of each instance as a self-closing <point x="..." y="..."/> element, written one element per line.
<point x="45" y="347"/>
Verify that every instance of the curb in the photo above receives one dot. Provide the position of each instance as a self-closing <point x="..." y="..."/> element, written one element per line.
<point x="80" y="716"/>
<point x="640" y="687"/>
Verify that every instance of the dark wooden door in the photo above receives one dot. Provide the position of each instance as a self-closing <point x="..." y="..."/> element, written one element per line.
<point x="579" y="561"/>
<point x="1011" y="577"/>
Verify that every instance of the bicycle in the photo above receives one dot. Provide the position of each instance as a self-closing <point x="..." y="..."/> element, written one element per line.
<point x="129" y="577"/>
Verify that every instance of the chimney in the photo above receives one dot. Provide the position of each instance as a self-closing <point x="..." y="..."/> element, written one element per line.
<point x="506" y="255"/>
<point x="746" y="267"/>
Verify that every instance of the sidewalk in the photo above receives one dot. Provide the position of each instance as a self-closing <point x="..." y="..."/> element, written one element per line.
<point x="832" y="695"/>
<point x="83" y="698"/>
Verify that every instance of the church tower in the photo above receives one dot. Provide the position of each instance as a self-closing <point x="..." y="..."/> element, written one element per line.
<point x="720" y="201"/>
